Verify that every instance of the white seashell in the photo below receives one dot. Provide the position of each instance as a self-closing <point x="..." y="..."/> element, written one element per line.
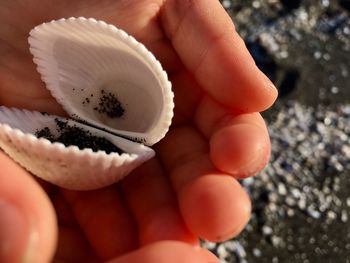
<point x="87" y="64"/>
<point x="85" y="56"/>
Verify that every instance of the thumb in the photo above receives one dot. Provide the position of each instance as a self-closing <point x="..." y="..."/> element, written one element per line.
<point x="28" y="229"/>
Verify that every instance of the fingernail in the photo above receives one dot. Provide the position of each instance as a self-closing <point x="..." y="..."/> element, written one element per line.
<point x="14" y="233"/>
<point x="268" y="83"/>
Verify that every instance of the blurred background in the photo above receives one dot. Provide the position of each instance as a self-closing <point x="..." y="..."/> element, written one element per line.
<point x="301" y="201"/>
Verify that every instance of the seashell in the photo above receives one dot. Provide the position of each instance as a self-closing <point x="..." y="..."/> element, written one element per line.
<point x="115" y="92"/>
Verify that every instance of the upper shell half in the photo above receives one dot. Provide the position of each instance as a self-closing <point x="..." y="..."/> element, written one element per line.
<point x="104" y="78"/>
<point x="81" y="59"/>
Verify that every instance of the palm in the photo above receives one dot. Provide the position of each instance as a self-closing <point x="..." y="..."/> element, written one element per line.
<point x="167" y="197"/>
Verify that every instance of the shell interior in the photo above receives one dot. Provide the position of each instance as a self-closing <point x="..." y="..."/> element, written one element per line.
<point x="102" y="75"/>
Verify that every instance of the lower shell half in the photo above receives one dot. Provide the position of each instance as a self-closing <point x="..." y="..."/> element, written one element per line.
<point x="67" y="167"/>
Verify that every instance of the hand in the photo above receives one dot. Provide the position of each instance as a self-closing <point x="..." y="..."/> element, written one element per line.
<point x="189" y="191"/>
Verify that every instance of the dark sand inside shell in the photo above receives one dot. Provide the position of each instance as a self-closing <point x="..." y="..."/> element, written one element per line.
<point x="74" y="135"/>
<point x="108" y="104"/>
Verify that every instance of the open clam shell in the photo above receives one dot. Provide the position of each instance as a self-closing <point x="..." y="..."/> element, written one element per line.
<point x="103" y="78"/>
<point x="81" y="60"/>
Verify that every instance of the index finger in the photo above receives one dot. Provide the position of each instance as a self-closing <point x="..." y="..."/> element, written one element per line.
<point x="204" y="36"/>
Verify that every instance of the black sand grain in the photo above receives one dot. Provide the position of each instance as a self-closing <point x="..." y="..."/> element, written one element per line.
<point x="74" y="135"/>
<point x="110" y="105"/>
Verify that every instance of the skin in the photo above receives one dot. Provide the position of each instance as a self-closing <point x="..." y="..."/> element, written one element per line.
<point x="159" y="212"/>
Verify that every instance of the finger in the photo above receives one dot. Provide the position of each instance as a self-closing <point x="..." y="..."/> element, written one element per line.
<point x="104" y="220"/>
<point x="73" y="247"/>
<point x="204" y="36"/>
<point x="187" y="97"/>
<point x="153" y="204"/>
<point x="213" y="205"/>
<point x="28" y="229"/>
<point x="65" y="216"/>
<point x="167" y="252"/>
<point x="239" y="144"/>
